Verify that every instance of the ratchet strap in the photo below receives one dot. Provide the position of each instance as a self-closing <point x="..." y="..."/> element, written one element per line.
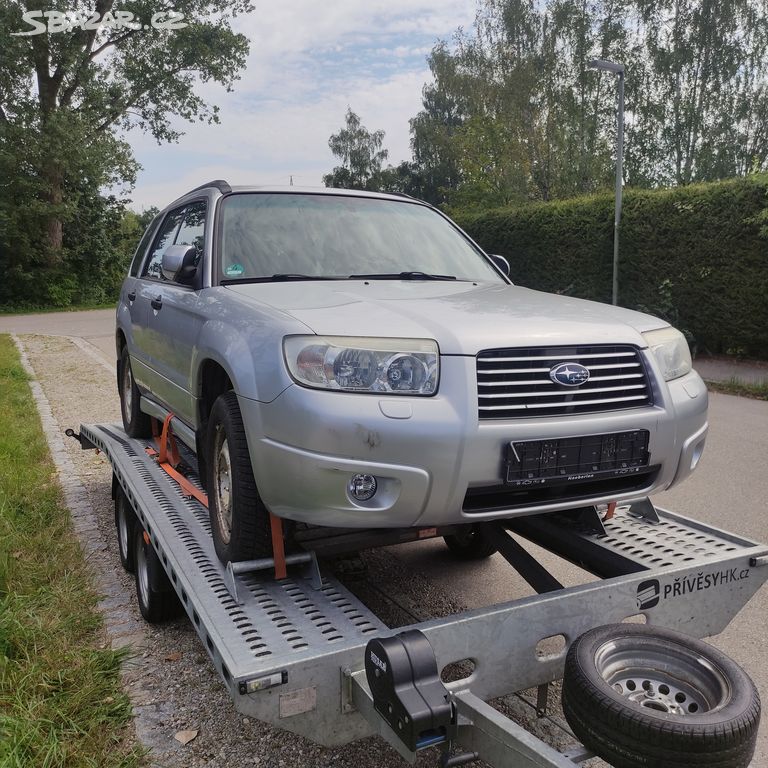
<point x="278" y="547"/>
<point x="168" y="459"/>
<point x="610" y="512"/>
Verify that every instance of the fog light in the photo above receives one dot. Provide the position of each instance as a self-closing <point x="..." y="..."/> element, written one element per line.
<point x="362" y="487"/>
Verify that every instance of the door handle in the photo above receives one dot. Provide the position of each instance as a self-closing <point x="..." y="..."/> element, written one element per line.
<point x="157" y="303"/>
<point x="132" y="296"/>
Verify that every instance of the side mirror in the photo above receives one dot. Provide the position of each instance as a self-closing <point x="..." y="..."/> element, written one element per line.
<point x="500" y="262"/>
<point x="179" y="263"/>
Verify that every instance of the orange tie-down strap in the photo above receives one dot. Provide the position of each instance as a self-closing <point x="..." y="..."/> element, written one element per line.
<point x="166" y="444"/>
<point x="278" y="547"/>
<point x="164" y="440"/>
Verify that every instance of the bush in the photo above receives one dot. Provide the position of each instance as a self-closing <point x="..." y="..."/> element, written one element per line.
<point x="696" y="255"/>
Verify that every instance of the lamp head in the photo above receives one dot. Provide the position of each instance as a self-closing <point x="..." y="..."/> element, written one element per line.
<point x="608" y="66"/>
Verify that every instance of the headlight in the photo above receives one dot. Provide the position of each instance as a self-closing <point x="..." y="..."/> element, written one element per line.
<point x="671" y="352"/>
<point x="355" y="364"/>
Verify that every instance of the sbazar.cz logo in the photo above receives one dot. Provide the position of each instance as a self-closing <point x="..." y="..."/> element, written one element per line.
<point x="65" y="21"/>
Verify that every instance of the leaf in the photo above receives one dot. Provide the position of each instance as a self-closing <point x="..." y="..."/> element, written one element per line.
<point x="184" y="737"/>
<point x="175" y="656"/>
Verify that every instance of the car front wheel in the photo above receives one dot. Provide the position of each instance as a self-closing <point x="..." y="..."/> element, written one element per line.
<point x="239" y="520"/>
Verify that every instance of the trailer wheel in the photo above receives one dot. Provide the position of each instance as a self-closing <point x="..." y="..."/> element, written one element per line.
<point x="646" y="696"/>
<point x="472" y="542"/>
<point x="135" y="422"/>
<point x="239" y="520"/>
<point x="157" y="600"/>
<point x="125" y="521"/>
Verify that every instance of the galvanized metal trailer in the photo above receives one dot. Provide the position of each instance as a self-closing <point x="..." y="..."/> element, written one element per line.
<point x="292" y="652"/>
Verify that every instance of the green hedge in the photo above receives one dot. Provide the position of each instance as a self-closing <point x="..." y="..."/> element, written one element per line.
<point x="697" y="255"/>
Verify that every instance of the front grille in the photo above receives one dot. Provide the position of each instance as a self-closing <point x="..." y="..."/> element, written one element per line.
<point x="515" y="383"/>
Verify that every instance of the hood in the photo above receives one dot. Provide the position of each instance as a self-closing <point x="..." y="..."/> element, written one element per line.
<point x="462" y="317"/>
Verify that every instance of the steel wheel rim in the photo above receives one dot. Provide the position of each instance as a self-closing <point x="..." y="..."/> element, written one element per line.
<point x="662" y="676"/>
<point x="142" y="573"/>
<point x="127" y="390"/>
<point x="222" y="486"/>
<point x="122" y="530"/>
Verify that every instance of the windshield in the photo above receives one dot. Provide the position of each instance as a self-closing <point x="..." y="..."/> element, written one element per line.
<point x="337" y="236"/>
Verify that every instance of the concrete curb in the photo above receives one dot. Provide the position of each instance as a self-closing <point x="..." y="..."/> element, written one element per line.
<point x="92" y="352"/>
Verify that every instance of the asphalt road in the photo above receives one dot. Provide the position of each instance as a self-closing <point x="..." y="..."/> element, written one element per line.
<point x="729" y="490"/>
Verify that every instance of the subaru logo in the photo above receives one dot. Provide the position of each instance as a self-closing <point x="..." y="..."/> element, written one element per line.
<point x="569" y="374"/>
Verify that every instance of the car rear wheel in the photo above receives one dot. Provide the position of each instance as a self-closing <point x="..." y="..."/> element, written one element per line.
<point x="135" y="422"/>
<point x="642" y="695"/>
<point x="239" y="520"/>
<point x="471" y="542"/>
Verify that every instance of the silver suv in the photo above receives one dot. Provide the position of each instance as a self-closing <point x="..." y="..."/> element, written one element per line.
<point x="351" y="359"/>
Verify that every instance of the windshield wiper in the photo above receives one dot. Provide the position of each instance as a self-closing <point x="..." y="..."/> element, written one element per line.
<point x="280" y="277"/>
<point x="402" y="276"/>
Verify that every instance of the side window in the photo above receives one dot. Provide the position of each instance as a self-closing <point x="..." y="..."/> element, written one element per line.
<point x="165" y="237"/>
<point x="142" y="249"/>
<point x="192" y="231"/>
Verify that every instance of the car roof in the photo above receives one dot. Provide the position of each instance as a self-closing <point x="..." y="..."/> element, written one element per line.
<point x="225" y="188"/>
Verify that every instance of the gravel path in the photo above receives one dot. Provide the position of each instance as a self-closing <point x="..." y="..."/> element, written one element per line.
<point x="172" y="683"/>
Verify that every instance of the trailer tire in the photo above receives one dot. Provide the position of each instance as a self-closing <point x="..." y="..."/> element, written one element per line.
<point x="125" y="522"/>
<point x="135" y="422"/>
<point x="157" y="600"/>
<point x="240" y="522"/>
<point x="700" y="711"/>
<point x="473" y="542"/>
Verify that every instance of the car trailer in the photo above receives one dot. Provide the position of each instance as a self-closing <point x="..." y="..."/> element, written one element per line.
<point x="305" y="655"/>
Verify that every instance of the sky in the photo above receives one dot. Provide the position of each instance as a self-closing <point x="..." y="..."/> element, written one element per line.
<point x="308" y="62"/>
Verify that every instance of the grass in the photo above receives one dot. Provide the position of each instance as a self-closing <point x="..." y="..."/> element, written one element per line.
<point x="61" y="701"/>
<point x="36" y="310"/>
<point x="735" y="386"/>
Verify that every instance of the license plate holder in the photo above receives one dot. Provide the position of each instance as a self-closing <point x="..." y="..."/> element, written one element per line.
<point x="570" y="460"/>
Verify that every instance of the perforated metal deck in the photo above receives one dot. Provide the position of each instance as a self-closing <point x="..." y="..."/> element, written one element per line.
<point x="670" y="541"/>
<point x="307" y="645"/>
<point x="279" y="624"/>
<point x="631" y="542"/>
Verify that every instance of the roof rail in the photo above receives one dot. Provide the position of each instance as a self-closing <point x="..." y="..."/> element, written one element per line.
<point x="219" y="184"/>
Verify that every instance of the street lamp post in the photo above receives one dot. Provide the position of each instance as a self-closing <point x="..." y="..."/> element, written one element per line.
<point x="617" y="69"/>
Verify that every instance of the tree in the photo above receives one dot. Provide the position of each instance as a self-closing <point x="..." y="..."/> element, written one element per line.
<point x="514" y="112"/>
<point x="361" y="155"/>
<point x="68" y="96"/>
<point x="708" y="63"/>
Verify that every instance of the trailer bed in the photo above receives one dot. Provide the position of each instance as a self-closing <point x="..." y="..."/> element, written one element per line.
<point x="292" y="655"/>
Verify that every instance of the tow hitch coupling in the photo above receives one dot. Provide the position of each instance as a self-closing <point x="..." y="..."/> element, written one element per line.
<point x="407" y="691"/>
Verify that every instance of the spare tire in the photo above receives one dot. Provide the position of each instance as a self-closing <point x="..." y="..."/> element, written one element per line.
<point x="641" y="696"/>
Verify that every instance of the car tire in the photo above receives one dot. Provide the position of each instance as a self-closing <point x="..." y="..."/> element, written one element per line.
<point x="646" y="696"/>
<point x="472" y="542"/>
<point x="135" y="422"/>
<point x="125" y="522"/>
<point x="157" y="600"/>
<point x="240" y="522"/>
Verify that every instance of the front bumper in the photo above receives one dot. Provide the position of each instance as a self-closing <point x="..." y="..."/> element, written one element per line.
<point x="427" y="453"/>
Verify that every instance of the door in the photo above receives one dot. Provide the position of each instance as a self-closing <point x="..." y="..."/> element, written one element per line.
<point x="175" y="322"/>
<point x="146" y="290"/>
<point x="132" y="314"/>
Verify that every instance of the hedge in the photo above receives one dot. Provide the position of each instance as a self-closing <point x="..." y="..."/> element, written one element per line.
<point x="696" y="255"/>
